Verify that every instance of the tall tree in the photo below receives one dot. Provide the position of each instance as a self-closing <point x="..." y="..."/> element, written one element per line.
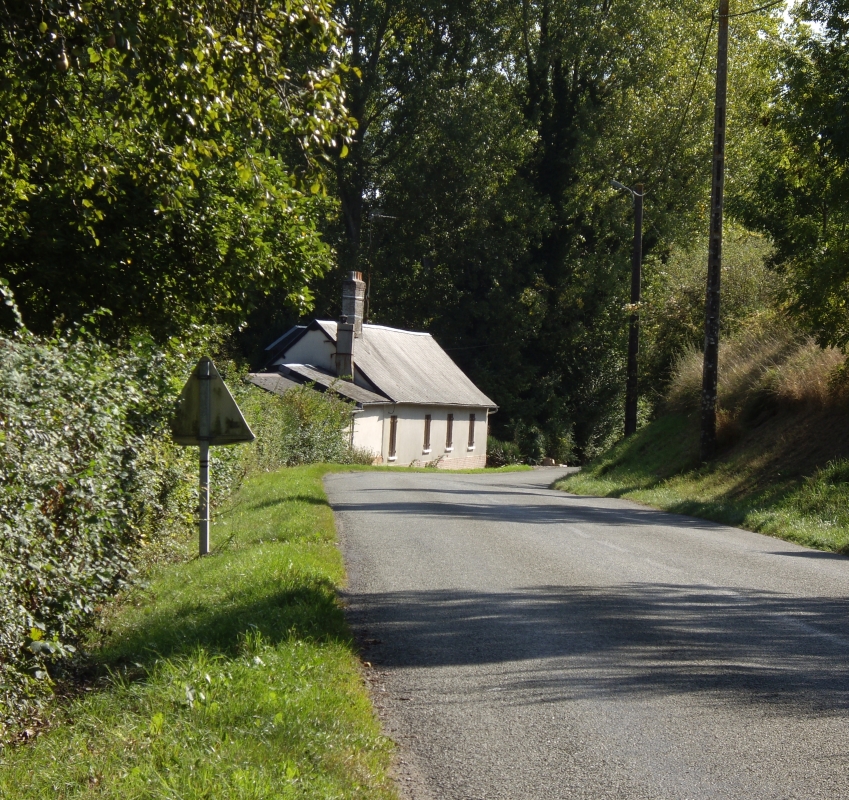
<point x="161" y="159"/>
<point x="401" y="53"/>
<point x="797" y="188"/>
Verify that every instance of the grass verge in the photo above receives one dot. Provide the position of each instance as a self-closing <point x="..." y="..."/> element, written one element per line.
<point x="232" y="676"/>
<point x="757" y="484"/>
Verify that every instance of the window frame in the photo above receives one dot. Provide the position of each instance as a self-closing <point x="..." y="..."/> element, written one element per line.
<point x="393" y="438"/>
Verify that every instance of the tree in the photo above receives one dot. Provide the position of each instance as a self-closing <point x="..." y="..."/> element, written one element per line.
<point x="481" y="178"/>
<point x="401" y="54"/>
<point x="162" y="159"/>
<point x="798" y="186"/>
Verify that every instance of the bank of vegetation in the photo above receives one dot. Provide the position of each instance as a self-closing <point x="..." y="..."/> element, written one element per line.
<point x="783" y="440"/>
<point x="93" y="490"/>
<point x="229" y="676"/>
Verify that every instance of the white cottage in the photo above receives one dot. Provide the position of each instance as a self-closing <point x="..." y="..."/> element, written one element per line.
<point x="413" y="404"/>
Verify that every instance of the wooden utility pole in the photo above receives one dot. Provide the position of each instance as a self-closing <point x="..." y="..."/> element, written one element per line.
<point x="631" y="392"/>
<point x="711" y="363"/>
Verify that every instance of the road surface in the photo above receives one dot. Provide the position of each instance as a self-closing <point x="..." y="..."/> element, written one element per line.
<point x="527" y="644"/>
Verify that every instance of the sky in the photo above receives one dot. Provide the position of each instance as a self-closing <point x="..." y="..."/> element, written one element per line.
<point x="815" y="26"/>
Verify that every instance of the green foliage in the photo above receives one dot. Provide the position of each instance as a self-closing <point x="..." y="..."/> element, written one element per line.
<point x="797" y="182"/>
<point x="502" y="454"/>
<point x="87" y="479"/>
<point x="672" y="318"/>
<point x="301" y="427"/>
<point x="162" y="159"/>
<point x="232" y="676"/>
<point x="530" y="446"/>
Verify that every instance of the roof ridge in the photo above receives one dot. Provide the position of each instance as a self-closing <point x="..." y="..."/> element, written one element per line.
<point x="381" y="327"/>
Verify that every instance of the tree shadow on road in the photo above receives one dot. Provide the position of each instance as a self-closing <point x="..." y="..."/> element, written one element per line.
<point x="568" y="510"/>
<point x="552" y="643"/>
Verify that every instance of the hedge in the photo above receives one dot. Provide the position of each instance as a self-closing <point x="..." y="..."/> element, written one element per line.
<point x="89" y="480"/>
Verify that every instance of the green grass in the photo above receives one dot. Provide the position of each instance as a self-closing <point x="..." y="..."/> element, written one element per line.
<point x="658" y="466"/>
<point x="231" y="676"/>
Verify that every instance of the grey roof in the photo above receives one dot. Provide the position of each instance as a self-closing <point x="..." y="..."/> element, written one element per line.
<point x="329" y="381"/>
<point x="272" y="381"/>
<point x="410" y="367"/>
<point x="299" y="374"/>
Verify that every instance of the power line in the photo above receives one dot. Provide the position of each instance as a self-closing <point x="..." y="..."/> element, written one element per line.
<point x="759" y="8"/>
<point x="674" y="147"/>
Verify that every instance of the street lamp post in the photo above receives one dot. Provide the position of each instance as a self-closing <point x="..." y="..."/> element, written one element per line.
<point x="634" y="326"/>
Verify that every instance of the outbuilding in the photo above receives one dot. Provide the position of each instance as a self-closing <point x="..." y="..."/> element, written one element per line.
<point x="412" y="405"/>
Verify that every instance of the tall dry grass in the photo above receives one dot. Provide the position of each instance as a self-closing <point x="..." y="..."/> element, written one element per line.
<point x="760" y="368"/>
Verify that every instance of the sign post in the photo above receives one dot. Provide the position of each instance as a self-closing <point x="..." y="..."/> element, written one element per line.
<point x="207" y="415"/>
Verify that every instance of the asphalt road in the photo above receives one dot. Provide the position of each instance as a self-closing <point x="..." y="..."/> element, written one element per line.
<point x="527" y="644"/>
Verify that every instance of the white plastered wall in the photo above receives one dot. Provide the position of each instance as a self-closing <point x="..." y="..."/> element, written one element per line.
<point x="368" y="430"/>
<point x="409" y="444"/>
<point x="313" y="348"/>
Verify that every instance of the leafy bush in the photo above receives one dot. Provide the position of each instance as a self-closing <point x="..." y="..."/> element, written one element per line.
<point x="561" y="447"/>
<point x="90" y="481"/>
<point x="532" y="443"/>
<point x="502" y="454"/>
<point x="87" y="477"/>
<point x="303" y="426"/>
<point x="673" y="316"/>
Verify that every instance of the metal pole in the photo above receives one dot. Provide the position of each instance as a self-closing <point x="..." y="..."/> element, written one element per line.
<point x="204" y="436"/>
<point x="711" y="362"/>
<point x="631" y="392"/>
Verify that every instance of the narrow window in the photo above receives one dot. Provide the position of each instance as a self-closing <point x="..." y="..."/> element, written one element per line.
<point x="471" y="431"/>
<point x="427" y="434"/>
<point x="393" y="436"/>
<point x="449" y="433"/>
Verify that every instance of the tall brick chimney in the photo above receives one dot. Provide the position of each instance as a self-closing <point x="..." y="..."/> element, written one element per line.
<point x="353" y="299"/>
<point x="345" y="348"/>
<point x="350" y="324"/>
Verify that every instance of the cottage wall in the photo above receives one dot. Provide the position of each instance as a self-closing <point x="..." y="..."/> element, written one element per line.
<point x="373" y="423"/>
<point x="368" y="430"/>
<point x="314" y="349"/>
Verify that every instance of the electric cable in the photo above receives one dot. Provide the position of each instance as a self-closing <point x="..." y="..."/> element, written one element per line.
<point x="674" y="147"/>
<point x="759" y="8"/>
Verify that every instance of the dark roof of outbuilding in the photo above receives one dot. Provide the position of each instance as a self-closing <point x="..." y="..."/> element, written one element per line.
<point x="290" y="337"/>
<point x="299" y="374"/>
<point x="272" y="381"/>
<point x="331" y="382"/>
<point x="410" y="367"/>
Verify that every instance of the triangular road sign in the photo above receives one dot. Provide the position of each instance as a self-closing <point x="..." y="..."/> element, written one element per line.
<point x="223" y="420"/>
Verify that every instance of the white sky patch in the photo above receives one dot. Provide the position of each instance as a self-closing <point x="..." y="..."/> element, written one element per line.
<point x="816" y="27"/>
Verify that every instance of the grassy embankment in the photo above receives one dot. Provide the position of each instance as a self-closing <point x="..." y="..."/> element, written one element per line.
<point x="232" y="676"/>
<point x="783" y="431"/>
